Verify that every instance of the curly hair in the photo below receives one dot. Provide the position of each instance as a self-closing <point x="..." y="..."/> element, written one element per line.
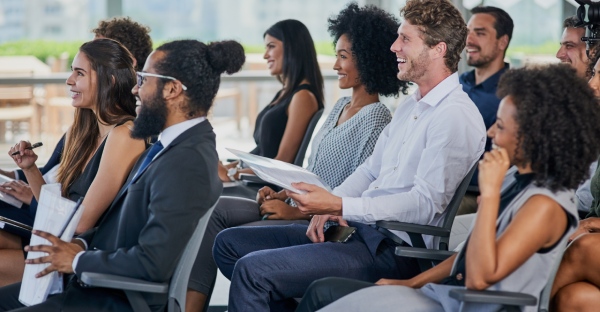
<point x="371" y="32"/>
<point x="199" y="67"/>
<point x="439" y="21"/>
<point x="133" y="35"/>
<point x="559" y="132"/>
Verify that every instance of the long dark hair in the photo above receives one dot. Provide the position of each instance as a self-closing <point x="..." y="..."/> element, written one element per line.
<point x="114" y="104"/>
<point x="299" y="57"/>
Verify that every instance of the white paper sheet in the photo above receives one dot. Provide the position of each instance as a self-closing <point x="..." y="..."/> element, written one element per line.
<point x="52" y="215"/>
<point x="8" y="198"/>
<point x="278" y="172"/>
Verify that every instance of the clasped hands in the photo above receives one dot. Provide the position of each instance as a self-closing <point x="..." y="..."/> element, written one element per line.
<point x="60" y="254"/>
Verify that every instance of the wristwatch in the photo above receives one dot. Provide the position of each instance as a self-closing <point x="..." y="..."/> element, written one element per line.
<point x="231" y="172"/>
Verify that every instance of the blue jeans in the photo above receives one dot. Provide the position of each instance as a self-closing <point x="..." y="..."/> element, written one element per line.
<point x="269" y="265"/>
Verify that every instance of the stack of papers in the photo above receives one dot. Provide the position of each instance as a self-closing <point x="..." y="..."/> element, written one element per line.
<point x="278" y="172"/>
<point x="55" y="214"/>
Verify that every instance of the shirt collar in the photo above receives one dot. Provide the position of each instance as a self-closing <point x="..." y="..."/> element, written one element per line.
<point x="490" y="84"/>
<point x="439" y="92"/>
<point x="171" y="133"/>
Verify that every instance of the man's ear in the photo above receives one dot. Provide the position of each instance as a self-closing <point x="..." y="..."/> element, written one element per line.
<point x="440" y="50"/>
<point x="503" y="42"/>
<point x="172" y="89"/>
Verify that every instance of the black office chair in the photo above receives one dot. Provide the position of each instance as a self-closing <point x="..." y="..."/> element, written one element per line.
<point x="511" y="301"/>
<point x="428" y="257"/>
<point x="176" y="288"/>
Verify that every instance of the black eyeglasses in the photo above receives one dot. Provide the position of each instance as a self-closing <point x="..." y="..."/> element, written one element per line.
<point x="141" y="75"/>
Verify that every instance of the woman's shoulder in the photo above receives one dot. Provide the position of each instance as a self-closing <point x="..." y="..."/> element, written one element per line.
<point x="121" y="134"/>
<point x="541" y="195"/>
<point x="300" y="97"/>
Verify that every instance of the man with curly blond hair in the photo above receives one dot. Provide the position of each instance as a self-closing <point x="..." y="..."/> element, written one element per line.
<point x="420" y="158"/>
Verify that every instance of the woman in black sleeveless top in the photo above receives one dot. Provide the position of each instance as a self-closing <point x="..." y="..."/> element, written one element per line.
<point x="99" y="152"/>
<point x="280" y="127"/>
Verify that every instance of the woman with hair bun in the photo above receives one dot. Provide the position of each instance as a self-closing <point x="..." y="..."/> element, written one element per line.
<point x="99" y="151"/>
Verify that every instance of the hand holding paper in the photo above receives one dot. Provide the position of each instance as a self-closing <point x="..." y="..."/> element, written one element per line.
<point x="316" y="200"/>
<point x="60" y="254"/>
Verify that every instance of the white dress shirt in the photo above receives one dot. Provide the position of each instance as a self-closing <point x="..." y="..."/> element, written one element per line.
<point x="419" y="160"/>
<point x="166" y="137"/>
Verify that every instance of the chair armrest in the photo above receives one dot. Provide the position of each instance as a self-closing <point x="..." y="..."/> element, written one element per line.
<point x="251" y="178"/>
<point x="420" y="253"/>
<point x="414" y="228"/>
<point x="122" y="282"/>
<point x="498" y="297"/>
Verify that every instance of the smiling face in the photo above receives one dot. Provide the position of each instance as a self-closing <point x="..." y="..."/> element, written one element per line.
<point x="274" y="55"/>
<point x="82" y="82"/>
<point x="595" y="79"/>
<point x="572" y="49"/>
<point x="412" y="53"/>
<point x="482" y="45"/>
<point x="345" y="66"/>
<point x="505" y="130"/>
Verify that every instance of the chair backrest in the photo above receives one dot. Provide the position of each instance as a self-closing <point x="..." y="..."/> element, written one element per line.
<point x="179" y="282"/>
<point x="299" y="160"/>
<point x="453" y="206"/>
<point x="544" y="301"/>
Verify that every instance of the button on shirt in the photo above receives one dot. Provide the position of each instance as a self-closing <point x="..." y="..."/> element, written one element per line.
<point x="418" y="161"/>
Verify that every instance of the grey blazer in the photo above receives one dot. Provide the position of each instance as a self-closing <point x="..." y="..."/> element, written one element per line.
<point x="147" y="226"/>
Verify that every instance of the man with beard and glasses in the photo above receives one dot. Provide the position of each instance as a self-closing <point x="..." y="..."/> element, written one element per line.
<point x="434" y="139"/>
<point x="173" y="184"/>
<point x="490" y="31"/>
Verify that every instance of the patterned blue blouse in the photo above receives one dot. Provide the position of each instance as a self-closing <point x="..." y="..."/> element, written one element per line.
<point x="338" y="150"/>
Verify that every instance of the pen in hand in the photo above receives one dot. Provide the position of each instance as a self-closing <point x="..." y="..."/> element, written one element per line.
<point x="38" y="144"/>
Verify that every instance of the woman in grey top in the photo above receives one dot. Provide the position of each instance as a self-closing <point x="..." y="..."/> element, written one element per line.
<point x="520" y="233"/>
<point x="362" y="38"/>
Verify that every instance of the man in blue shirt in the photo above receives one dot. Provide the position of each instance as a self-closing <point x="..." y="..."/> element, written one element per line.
<point x="490" y="31"/>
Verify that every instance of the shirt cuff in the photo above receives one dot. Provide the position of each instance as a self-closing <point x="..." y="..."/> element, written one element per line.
<point x="352" y="208"/>
<point x="76" y="260"/>
<point x="16" y="172"/>
<point x="84" y="242"/>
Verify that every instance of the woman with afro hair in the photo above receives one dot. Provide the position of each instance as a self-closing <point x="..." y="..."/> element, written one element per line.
<point x="362" y="38"/>
<point x="551" y="135"/>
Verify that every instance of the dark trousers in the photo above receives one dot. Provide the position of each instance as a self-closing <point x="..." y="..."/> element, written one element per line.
<point x="327" y="290"/>
<point x="74" y="298"/>
<point x="229" y="212"/>
<point x="269" y="265"/>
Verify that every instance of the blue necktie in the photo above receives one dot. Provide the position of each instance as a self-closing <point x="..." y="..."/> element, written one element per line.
<point x="155" y="149"/>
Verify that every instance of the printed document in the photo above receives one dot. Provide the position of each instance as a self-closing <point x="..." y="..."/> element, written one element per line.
<point x="55" y="214"/>
<point x="278" y="172"/>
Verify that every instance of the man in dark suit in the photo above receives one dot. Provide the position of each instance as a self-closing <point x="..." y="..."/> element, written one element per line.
<point x="169" y="189"/>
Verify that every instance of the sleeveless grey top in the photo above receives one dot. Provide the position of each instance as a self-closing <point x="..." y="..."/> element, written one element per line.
<point x="531" y="276"/>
